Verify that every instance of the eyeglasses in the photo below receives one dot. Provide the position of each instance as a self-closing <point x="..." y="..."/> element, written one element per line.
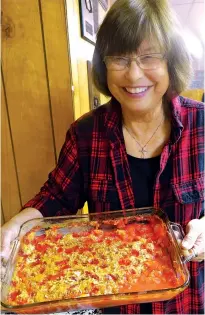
<point x="145" y="62"/>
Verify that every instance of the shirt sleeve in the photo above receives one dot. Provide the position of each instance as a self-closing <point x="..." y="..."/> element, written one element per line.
<point x="63" y="192"/>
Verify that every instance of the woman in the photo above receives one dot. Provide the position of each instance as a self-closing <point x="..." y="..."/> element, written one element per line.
<point x="143" y="148"/>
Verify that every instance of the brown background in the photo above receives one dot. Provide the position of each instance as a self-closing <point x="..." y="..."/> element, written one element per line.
<point x="36" y="96"/>
<point x="44" y="88"/>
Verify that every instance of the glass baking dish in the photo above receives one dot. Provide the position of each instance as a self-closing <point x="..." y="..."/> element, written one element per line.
<point x="94" y="261"/>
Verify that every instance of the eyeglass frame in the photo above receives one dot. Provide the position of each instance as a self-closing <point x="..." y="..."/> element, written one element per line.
<point x="130" y="59"/>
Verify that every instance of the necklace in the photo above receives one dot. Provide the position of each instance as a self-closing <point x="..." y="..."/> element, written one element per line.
<point x="142" y="150"/>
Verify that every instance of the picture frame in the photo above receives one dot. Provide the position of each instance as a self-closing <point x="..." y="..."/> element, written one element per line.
<point x="92" y="12"/>
<point x="87" y="20"/>
<point x="104" y="4"/>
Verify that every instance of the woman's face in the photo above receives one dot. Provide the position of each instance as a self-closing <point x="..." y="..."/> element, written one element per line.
<point x="137" y="89"/>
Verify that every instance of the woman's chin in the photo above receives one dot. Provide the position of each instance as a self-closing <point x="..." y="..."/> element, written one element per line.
<point x="137" y="107"/>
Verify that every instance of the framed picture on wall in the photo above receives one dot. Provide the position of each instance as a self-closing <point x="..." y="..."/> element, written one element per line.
<point x="92" y="13"/>
<point x="104" y="4"/>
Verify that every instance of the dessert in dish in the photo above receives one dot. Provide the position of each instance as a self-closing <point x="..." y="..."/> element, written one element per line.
<point x="84" y="259"/>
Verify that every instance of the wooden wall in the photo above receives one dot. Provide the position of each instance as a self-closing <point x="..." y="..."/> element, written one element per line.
<point x="195" y="94"/>
<point x="37" y="105"/>
<point x="45" y="87"/>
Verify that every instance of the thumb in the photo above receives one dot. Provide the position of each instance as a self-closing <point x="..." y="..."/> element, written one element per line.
<point x="6" y="245"/>
<point x="191" y="235"/>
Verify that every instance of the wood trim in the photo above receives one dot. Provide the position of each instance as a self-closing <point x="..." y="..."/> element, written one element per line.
<point x="2" y="216"/>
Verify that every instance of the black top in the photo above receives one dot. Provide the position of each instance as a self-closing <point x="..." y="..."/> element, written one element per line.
<point x="143" y="173"/>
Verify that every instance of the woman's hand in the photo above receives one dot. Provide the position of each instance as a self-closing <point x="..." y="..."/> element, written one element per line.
<point x="10" y="231"/>
<point x="194" y="239"/>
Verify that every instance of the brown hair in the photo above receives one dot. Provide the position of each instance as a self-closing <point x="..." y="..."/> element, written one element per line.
<point x="127" y="24"/>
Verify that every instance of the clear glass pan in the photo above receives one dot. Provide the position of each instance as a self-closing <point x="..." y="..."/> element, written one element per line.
<point x="100" y="301"/>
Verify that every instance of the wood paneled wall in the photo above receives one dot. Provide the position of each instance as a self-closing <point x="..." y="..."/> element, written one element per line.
<point x="37" y="104"/>
<point x="45" y="87"/>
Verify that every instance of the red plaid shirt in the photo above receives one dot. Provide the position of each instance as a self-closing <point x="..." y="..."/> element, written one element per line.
<point x="93" y="167"/>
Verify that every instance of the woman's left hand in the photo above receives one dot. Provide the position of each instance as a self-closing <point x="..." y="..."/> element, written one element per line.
<point x="194" y="239"/>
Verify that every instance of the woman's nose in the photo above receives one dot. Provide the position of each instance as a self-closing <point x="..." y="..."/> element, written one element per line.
<point x="134" y="72"/>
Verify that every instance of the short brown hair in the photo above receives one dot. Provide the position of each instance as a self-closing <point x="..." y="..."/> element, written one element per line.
<point x="127" y="24"/>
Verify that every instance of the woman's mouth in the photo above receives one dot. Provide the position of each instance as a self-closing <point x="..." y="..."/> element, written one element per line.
<point x="136" y="92"/>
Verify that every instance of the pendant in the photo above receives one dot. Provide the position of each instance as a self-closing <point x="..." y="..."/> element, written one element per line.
<point x="143" y="151"/>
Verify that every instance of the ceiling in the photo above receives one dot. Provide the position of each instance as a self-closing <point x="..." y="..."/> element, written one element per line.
<point x="179" y="2"/>
<point x="191" y="15"/>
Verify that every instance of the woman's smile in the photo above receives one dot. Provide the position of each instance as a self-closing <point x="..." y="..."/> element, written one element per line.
<point x="136" y="92"/>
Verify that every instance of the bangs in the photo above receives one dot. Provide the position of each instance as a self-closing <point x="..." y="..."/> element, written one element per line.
<point x="128" y="40"/>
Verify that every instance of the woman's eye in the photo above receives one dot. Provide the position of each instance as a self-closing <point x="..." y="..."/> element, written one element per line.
<point x="145" y="58"/>
<point x="119" y="60"/>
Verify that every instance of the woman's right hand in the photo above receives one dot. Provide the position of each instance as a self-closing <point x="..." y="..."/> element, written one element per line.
<point x="10" y="231"/>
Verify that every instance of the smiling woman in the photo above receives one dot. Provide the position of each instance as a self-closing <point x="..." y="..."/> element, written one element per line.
<point x="144" y="148"/>
<point x="141" y="60"/>
<point x="139" y="81"/>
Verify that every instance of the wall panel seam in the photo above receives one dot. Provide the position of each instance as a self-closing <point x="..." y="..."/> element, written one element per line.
<point x="47" y="78"/>
<point x="10" y="130"/>
<point x="2" y="213"/>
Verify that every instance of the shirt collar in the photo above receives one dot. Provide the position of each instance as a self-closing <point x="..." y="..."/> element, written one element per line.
<point x="113" y="120"/>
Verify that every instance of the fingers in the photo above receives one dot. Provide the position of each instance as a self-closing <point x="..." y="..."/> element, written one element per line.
<point x="2" y="272"/>
<point x="193" y="230"/>
<point x="4" y="256"/>
<point x="193" y="246"/>
<point x="192" y="255"/>
<point x="198" y="258"/>
<point x="5" y="246"/>
<point x="198" y="249"/>
<point x="8" y="233"/>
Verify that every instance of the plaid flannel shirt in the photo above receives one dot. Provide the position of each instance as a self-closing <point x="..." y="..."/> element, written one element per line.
<point x="93" y="167"/>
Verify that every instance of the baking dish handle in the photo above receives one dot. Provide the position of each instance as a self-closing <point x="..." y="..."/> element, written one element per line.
<point x="179" y="234"/>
